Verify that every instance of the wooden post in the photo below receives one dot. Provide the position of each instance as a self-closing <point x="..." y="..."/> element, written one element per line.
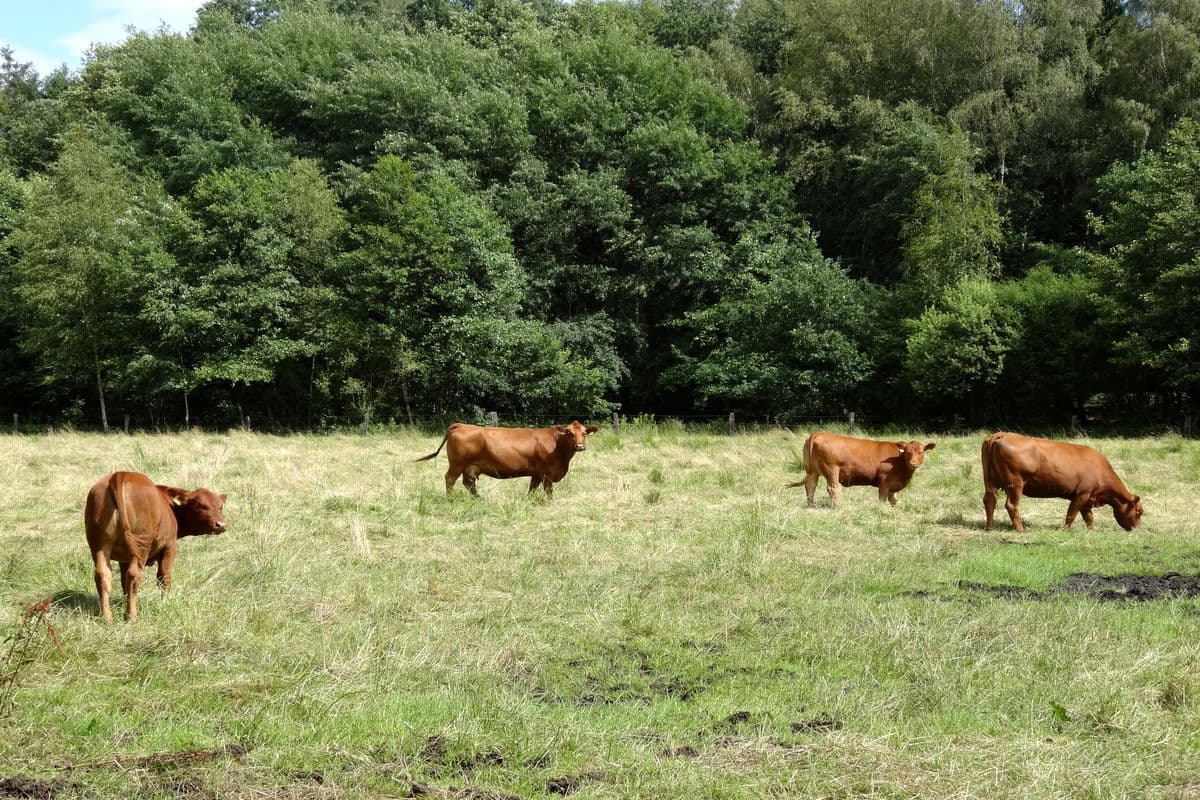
<point x="494" y="419"/>
<point x="366" y="421"/>
<point x="16" y="429"/>
<point x="616" y="421"/>
<point x="732" y="423"/>
<point x="126" y="424"/>
<point x="247" y="424"/>
<point x="850" y="426"/>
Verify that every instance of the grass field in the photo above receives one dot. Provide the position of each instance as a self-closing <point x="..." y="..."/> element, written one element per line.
<point x="673" y="624"/>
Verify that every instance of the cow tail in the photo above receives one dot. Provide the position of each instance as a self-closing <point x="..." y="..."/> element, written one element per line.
<point x="439" y="448"/>
<point x="807" y="461"/>
<point x="122" y="516"/>
<point x="985" y="457"/>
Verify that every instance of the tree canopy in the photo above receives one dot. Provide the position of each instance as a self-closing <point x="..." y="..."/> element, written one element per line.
<point x="319" y="211"/>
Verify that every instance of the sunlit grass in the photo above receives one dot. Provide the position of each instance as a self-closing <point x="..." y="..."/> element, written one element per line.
<point x="674" y="623"/>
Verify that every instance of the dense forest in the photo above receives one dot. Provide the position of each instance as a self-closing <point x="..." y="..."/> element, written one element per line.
<point x="315" y="211"/>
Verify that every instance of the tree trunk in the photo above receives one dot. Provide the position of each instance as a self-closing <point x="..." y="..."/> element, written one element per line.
<point x="100" y="390"/>
<point x="407" y="407"/>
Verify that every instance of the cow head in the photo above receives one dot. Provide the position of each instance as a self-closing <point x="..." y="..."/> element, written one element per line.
<point x="574" y="435"/>
<point x="1128" y="513"/>
<point x="913" y="453"/>
<point x="198" y="511"/>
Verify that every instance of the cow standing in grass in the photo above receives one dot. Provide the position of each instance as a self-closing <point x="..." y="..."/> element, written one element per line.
<point x="541" y="454"/>
<point x="130" y="519"/>
<point x="849" y="461"/>
<point x="1024" y="465"/>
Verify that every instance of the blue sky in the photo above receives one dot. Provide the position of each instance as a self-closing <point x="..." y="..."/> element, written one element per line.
<point x="54" y="32"/>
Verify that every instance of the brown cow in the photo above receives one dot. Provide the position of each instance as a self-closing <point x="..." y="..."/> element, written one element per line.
<point x="541" y="454"/>
<point x="848" y="461"/>
<point x="130" y="519"/>
<point x="1043" y="468"/>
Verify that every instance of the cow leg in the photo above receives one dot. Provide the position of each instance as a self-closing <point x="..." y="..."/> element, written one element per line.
<point x="166" y="563"/>
<point x="1012" y="503"/>
<point x="1073" y="510"/>
<point x="892" y="497"/>
<point x="451" y="476"/>
<point x="886" y="493"/>
<point x="832" y="486"/>
<point x="468" y="478"/>
<point x="1087" y="516"/>
<point x="548" y="485"/>
<point x="131" y="579"/>
<point x="810" y="488"/>
<point x="534" y="483"/>
<point x="989" y="504"/>
<point x="103" y="583"/>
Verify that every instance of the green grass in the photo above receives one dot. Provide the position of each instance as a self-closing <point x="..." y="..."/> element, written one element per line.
<point x="361" y="632"/>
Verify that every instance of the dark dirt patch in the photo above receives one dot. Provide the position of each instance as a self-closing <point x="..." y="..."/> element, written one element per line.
<point x="458" y="792"/>
<point x="31" y="787"/>
<point x="819" y="724"/>
<point x="571" y="783"/>
<point x="437" y="752"/>
<point x="1018" y="543"/>
<point x="736" y="718"/>
<point x="1117" y="588"/>
<point x="1005" y="590"/>
<point x="687" y="751"/>
<point x="1132" y="587"/>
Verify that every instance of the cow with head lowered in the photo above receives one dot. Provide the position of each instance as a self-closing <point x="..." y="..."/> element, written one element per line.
<point x="1027" y="466"/>
<point x="541" y="454"/>
<point x="849" y="461"/>
<point x="130" y="519"/>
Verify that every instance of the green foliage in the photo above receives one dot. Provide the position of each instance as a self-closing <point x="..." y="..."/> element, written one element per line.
<point x="956" y="349"/>
<point x="87" y="245"/>
<point x="783" y="206"/>
<point x="1150" y="225"/>
<point x="786" y="341"/>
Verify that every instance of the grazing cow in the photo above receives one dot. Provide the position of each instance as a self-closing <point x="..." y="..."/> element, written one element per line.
<point x="541" y="454"/>
<point x="1043" y="468"/>
<point x="847" y="461"/>
<point x="130" y="519"/>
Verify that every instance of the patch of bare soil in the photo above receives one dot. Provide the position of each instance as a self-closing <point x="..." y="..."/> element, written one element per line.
<point x="1117" y="588"/>
<point x="1132" y="587"/>
<point x="820" y="724"/>
<point x="31" y="787"/>
<point x="570" y="783"/>
<point x="458" y="793"/>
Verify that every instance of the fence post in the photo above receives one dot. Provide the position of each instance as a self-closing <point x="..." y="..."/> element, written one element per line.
<point x="616" y="421"/>
<point x="494" y="418"/>
<point x="366" y="421"/>
<point x="16" y="429"/>
<point x="850" y="426"/>
<point x="247" y="424"/>
<point x="732" y="423"/>
<point x="126" y="424"/>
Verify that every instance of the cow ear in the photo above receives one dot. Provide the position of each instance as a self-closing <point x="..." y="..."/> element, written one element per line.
<point x="174" y="496"/>
<point x="224" y="497"/>
<point x="590" y="429"/>
<point x="900" y="445"/>
<point x="562" y="429"/>
<point x="930" y="446"/>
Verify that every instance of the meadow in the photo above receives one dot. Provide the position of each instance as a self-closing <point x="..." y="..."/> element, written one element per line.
<point x="674" y="623"/>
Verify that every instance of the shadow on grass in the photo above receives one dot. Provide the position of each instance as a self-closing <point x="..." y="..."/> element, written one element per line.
<point x="84" y="602"/>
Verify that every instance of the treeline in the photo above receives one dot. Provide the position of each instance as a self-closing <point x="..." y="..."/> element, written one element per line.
<point x="315" y="211"/>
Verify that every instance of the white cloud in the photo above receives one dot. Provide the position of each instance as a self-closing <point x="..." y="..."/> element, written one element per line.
<point x="43" y="63"/>
<point x="114" y="18"/>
